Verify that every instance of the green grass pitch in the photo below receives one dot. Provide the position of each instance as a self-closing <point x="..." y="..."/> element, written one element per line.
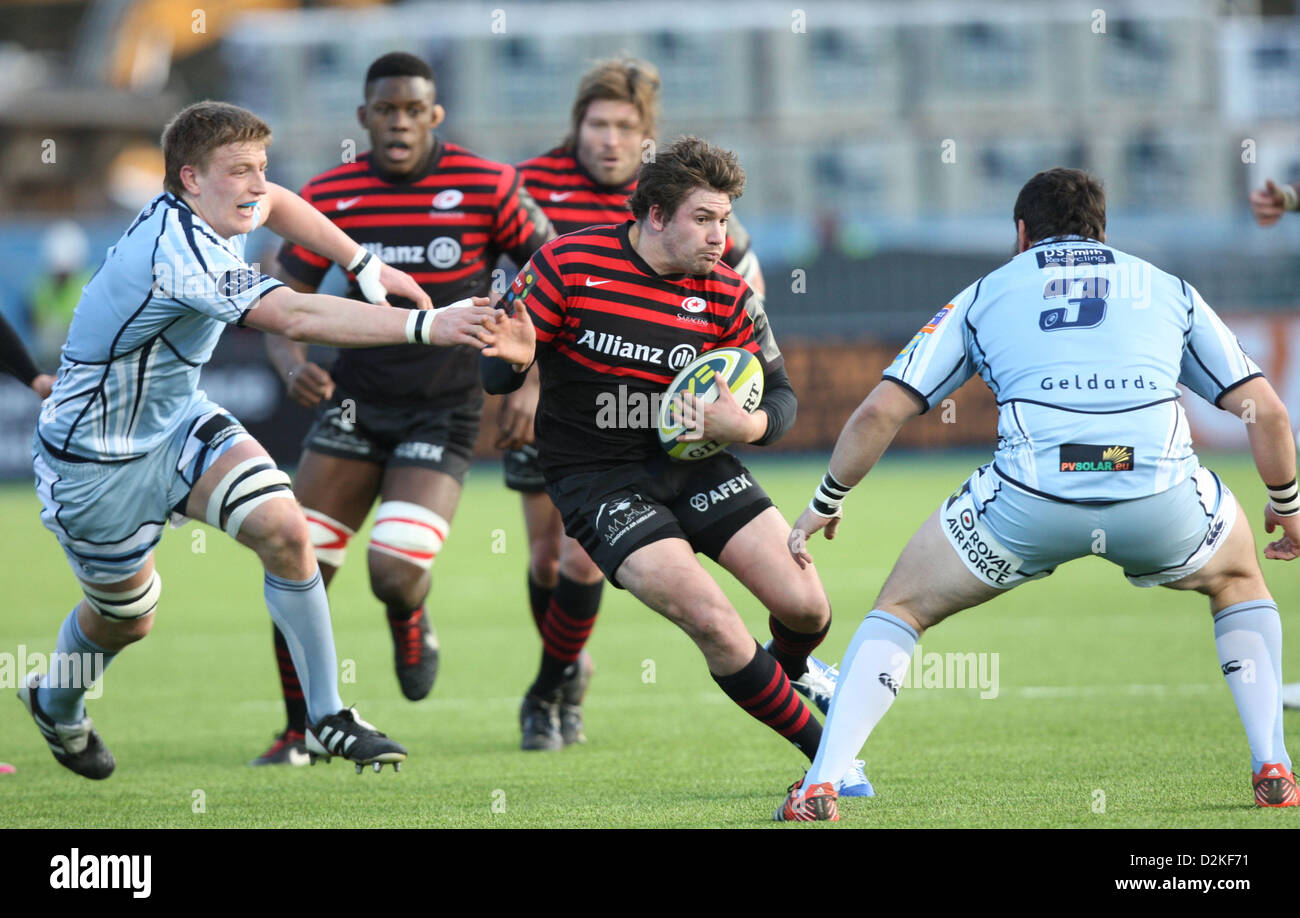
<point x="1110" y="708"/>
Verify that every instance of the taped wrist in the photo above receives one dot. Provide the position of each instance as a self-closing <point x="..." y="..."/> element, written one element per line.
<point x="829" y="496"/>
<point x="1285" y="500"/>
<point x="366" y="267"/>
<point x="419" y="326"/>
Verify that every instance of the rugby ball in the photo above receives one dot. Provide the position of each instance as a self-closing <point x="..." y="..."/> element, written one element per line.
<point x="744" y="376"/>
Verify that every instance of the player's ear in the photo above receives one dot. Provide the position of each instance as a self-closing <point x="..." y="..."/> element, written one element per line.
<point x="656" y="215"/>
<point x="188" y="179"/>
<point x="439" y="113"/>
<point x="361" y="116"/>
<point x="1022" y="237"/>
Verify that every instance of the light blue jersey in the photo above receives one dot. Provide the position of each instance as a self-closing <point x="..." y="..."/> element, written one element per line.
<point x="146" y="323"/>
<point x="1083" y="346"/>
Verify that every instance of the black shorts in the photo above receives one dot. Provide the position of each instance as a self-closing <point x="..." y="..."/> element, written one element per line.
<point x="615" y="512"/>
<point x="522" y="471"/>
<point x="441" y="440"/>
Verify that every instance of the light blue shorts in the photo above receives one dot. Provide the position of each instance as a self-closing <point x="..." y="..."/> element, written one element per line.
<point x="109" y="516"/>
<point x="1006" y="535"/>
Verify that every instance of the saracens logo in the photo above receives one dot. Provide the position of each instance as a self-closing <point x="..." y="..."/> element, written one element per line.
<point x="446" y="200"/>
<point x="443" y="252"/>
<point x="694" y="304"/>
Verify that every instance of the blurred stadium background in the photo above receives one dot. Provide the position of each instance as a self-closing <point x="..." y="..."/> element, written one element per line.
<point x="884" y="141"/>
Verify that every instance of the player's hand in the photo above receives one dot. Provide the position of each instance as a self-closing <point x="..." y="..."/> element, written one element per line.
<point x="513" y="338"/>
<point x="466" y="321"/>
<point x="518" y="412"/>
<point x="805" y="527"/>
<point x="1286" y="548"/>
<point x="308" y="383"/>
<point x="722" y="420"/>
<point x="43" y="385"/>
<point x="1267" y="204"/>
<point x="398" y="283"/>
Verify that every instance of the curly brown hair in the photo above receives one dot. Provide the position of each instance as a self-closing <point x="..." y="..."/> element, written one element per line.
<point x="678" y="169"/>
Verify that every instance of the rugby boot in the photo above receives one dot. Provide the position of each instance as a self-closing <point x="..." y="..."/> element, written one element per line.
<point x="77" y="747"/>
<point x="1274" y="786"/>
<point x="816" y="804"/>
<point x="346" y="735"/>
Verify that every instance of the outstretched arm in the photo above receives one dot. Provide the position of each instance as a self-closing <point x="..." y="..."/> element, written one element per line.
<point x="292" y="218"/>
<point x="1268" y="427"/>
<point x="319" y="319"/>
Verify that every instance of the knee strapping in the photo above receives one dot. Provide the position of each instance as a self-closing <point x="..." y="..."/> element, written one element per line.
<point x="408" y="531"/>
<point x="125" y="606"/>
<point x="329" y="537"/>
<point x="243" y="489"/>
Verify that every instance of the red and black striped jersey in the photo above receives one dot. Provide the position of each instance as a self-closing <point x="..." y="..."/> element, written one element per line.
<point x="573" y="200"/>
<point x="612" y="334"/>
<point x="446" y="226"/>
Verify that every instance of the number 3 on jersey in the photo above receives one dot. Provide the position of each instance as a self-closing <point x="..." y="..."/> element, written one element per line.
<point x="1085" y="302"/>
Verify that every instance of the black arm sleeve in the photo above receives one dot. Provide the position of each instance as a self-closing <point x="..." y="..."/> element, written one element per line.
<point x="499" y="377"/>
<point x="781" y="405"/>
<point x="14" y="358"/>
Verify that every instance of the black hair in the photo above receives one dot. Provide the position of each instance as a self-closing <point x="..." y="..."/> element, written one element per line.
<point x="397" y="64"/>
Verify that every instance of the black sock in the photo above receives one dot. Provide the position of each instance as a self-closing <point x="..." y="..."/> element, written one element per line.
<point x="762" y="689"/>
<point x="539" y="597"/>
<point x="791" y="648"/>
<point x="570" y="616"/>
<point x="400" y="615"/>
<point x="295" y="706"/>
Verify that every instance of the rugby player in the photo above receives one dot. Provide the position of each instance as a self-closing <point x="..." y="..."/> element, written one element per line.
<point x="1091" y="438"/>
<point x="1267" y="204"/>
<point x="659" y="284"/>
<point x="127" y="438"/>
<point x="399" y="422"/>
<point x="586" y="181"/>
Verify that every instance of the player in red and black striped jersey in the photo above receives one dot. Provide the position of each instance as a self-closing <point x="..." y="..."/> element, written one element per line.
<point x="615" y="312"/>
<point x="584" y="182"/>
<point x="398" y="423"/>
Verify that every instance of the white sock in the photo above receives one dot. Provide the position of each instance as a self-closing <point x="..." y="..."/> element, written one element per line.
<point x="878" y="656"/>
<point x="1248" y="636"/>
<point x="302" y="613"/>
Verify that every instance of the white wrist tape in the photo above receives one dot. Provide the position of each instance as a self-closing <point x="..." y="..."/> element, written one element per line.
<point x="367" y="267"/>
<point x="419" y="326"/>
<point x="1289" y="199"/>
<point x="829" y="496"/>
<point x="1285" y="500"/>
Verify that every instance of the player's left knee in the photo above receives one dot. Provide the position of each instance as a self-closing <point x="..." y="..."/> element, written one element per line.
<point x="244" y="488"/>
<point x="806" y="611"/>
<point x="404" y="542"/>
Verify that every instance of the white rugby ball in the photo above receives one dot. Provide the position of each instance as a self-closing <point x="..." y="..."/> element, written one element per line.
<point x="744" y="375"/>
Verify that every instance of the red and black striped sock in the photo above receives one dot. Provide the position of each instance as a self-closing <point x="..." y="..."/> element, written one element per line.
<point x="295" y="706"/>
<point x="762" y="689"/>
<point x="792" y="648"/>
<point x="539" y="597"/>
<point x="570" y="616"/>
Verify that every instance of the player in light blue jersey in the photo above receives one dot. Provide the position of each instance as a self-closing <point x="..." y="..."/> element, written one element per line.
<point x="127" y="439"/>
<point x="1083" y="347"/>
